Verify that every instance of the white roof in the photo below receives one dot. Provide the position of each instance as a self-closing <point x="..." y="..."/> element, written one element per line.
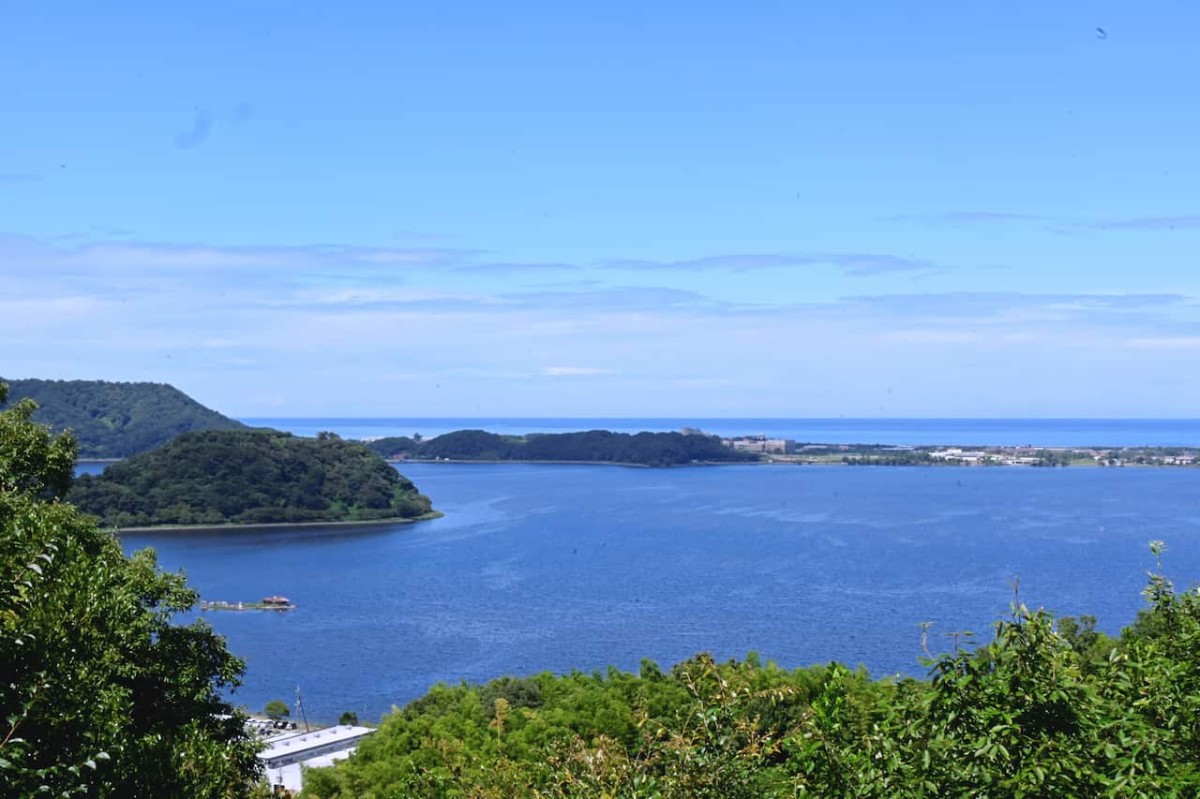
<point x="304" y="741"/>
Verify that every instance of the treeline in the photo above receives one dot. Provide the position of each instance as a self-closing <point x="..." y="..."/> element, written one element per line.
<point x="106" y="691"/>
<point x="116" y="420"/>
<point x="1047" y="708"/>
<point x="247" y="477"/>
<point x="647" y="449"/>
<point x="894" y="457"/>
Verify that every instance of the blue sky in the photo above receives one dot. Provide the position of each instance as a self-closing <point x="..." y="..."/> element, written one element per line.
<point x="626" y="209"/>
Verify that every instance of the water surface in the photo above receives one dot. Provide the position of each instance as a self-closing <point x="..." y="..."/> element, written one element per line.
<point x="576" y="567"/>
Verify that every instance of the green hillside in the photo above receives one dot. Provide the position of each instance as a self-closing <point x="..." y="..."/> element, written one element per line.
<point x="249" y="477"/>
<point x="116" y="420"/>
<point x="599" y="446"/>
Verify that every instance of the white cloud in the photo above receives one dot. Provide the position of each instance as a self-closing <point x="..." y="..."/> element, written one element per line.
<point x="574" y="371"/>
<point x="1165" y="343"/>
<point x="346" y="331"/>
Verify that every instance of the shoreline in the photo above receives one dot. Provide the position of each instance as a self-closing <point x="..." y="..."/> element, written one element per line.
<point x="221" y="528"/>
<point x="792" y="461"/>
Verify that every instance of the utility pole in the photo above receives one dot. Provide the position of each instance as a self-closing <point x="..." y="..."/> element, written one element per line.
<point x="300" y="708"/>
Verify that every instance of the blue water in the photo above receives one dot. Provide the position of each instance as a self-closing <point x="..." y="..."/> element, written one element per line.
<point x="999" y="432"/>
<point x="559" y="567"/>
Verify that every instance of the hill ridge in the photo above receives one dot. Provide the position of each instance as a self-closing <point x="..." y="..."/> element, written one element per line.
<point x="116" y="419"/>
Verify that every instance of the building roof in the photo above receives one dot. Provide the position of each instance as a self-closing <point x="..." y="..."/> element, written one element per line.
<point x="305" y="741"/>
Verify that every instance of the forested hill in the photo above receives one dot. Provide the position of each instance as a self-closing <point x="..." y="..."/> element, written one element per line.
<point x="249" y="477"/>
<point x="116" y="420"/>
<point x="648" y="449"/>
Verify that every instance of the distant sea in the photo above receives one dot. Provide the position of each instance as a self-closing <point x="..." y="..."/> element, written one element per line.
<point x="910" y="432"/>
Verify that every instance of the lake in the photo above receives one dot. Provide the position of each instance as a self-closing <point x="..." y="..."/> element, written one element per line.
<point x="540" y="567"/>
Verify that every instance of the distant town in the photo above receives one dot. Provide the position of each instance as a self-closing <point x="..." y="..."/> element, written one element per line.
<point x="783" y="450"/>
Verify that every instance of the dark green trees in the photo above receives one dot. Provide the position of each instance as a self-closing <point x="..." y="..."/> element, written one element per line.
<point x="100" y="694"/>
<point x="116" y="420"/>
<point x="600" y="446"/>
<point x="277" y="709"/>
<point x="248" y="477"/>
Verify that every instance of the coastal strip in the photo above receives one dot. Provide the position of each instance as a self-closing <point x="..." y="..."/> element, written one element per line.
<point x="223" y="528"/>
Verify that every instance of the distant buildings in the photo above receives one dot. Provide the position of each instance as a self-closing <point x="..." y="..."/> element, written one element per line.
<point x="761" y="444"/>
<point x="998" y="457"/>
<point x="963" y="456"/>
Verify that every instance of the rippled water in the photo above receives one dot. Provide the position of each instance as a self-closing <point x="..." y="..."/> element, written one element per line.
<point x="559" y="567"/>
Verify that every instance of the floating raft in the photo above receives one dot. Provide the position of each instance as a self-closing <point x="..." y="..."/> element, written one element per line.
<point x="267" y="603"/>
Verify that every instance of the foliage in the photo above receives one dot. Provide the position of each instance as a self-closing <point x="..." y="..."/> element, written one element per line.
<point x="101" y="695"/>
<point x="249" y="476"/>
<point x="116" y="420"/>
<point x="277" y="709"/>
<point x="700" y="729"/>
<point x="348" y="717"/>
<point x="1046" y="708"/>
<point x="648" y="449"/>
<point x="894" y="457"/>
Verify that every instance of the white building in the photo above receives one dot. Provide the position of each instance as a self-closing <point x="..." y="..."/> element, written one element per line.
<point x="778" y="446"/>
<point x="284" y="757"/>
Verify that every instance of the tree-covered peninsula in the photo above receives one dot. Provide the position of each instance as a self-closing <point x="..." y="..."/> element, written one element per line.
<point x="249" y="477"/>
<point x="116" y="420"/>
<point x="599" y="446"/>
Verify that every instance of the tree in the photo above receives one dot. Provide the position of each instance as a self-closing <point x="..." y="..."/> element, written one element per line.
<point x="101" y="695"/>
<point x="248" y="477"/>
<point x="349" y="717"/>
<point x="277" y="709"/>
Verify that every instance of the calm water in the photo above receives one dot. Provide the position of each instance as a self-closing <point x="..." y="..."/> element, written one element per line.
<point x="558" y="567"/>
<point x="1004" y="432"/>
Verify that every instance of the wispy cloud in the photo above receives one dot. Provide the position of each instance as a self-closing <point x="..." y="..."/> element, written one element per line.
<point x="985" y="306"/>
<point x="854" y="264"/>
<point x="18" y="178"/>
<point x="242" y="113"/>
<point x="154" y="255"/>
<point x="1050" y="223"/>
<point x="1164" y="343"/>
<point x="574" y="371"/>
<point x="963" y="218"/>
<point x="735" y="263"/>
<point x="374" y="297"/>
<point x="624" y="298"/>
<point x="274" y="318"/>
<point x="865" y="264"/>
<point x="1183" y="222"/>
<point x="197" y="134"/>
<point x="501" y="268"/>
